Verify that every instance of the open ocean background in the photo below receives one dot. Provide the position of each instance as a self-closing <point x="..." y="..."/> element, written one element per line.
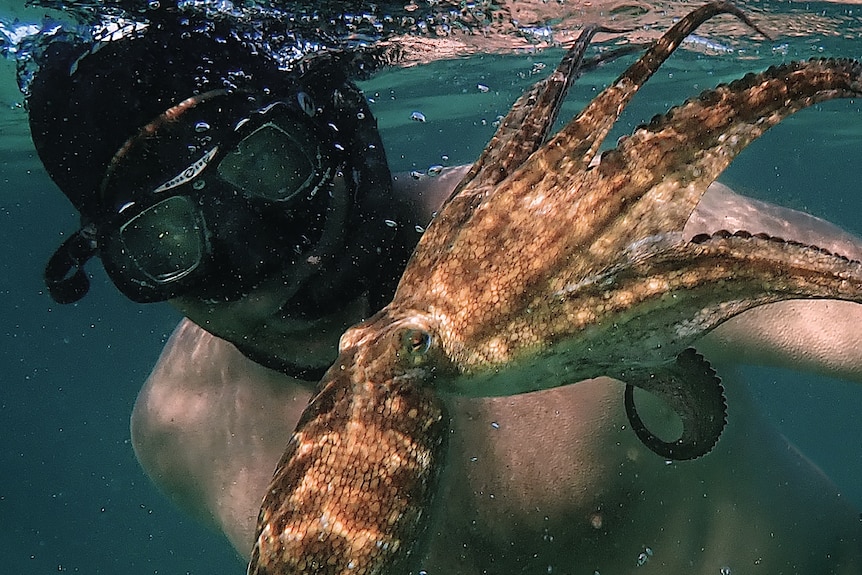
<point x="72" y="497"/>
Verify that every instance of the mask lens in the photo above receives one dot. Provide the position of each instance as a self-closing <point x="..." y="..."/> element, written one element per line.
<point x="165" y="241"/>
<point x="271" y="164"/>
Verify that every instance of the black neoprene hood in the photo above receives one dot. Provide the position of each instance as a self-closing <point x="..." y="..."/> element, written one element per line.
<point x="86" y="103"/>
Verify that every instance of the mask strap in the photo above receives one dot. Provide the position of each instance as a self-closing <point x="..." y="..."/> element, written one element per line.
<point x="64" y="284"/>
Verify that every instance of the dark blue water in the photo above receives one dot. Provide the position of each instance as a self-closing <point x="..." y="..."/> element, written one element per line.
<point x="72" y="497"/>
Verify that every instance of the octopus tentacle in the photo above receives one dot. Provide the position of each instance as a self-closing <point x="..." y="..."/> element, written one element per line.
<point x="521" y="132"/>
<point x="671" y="161"/>
<point x="529" y="122"/>
<point x="563" y="159"/>
<point x="694" y="392"/>
<point x="765" y="269"/>
<point x="713" y="278"/>
<point x="647" y="186"/>
<point x="589" y="128"/>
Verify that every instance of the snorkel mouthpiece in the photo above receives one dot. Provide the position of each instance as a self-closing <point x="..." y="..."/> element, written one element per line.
<point x="64" y="274"/>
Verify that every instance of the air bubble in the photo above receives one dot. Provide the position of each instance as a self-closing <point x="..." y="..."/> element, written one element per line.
<point x="417" y="116"/>
<point x="644" y="556"/>
<point x="306" y="103"/>
<point x="201" y="127"/>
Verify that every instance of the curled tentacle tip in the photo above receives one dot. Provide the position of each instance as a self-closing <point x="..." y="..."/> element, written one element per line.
<point x="695" y="393"/>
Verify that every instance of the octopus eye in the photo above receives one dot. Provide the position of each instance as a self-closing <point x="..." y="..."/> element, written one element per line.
<point x="417" y="342"/>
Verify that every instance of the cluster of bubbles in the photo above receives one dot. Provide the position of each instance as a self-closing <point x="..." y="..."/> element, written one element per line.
<point x="286" y="30"/>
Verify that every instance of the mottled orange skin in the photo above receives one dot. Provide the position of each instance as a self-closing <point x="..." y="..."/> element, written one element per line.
<point x="358" y="474"/>
<point x="544" y="268"/>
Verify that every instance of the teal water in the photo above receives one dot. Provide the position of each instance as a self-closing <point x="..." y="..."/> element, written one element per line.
<point x="72" y="498"/>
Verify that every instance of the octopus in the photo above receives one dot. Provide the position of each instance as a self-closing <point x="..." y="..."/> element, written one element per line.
<point x="545" y="267"/>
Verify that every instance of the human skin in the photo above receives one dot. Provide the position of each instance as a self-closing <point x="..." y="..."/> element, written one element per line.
<point x="552" y="479"/>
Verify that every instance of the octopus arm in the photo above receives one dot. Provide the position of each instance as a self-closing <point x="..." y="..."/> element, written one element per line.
<point x="580" y="140"/>
<point x="528" y="124"/>
<point x="509" y="165"/>
<point x="659" y="173"/>
<point x="691" y="388"/>
<point x="524" y="129"/>
<point x="694" y="286"/>
<point x="709" y="280"/>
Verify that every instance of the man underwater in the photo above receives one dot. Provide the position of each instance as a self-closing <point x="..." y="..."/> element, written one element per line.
<point x="258" y="202"/>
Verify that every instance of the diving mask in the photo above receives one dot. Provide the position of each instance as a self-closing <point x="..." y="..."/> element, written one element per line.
<point x="249" y="190"/>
